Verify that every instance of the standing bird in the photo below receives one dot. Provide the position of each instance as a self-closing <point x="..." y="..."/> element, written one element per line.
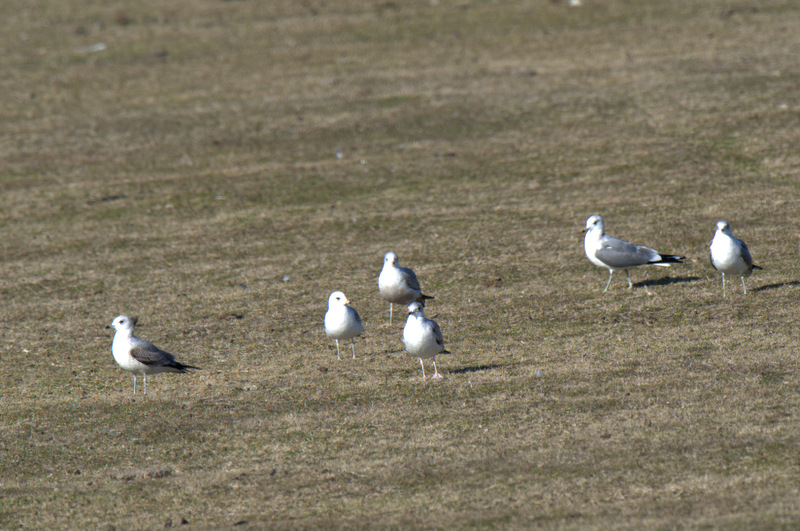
<point x="422" y="338"/>
<point x="139" y="356"/>
<point x="342" y="321"/>
<point x="399" y="284"/>
<point x="615" y="254"/>
<point x="730" y="255"/>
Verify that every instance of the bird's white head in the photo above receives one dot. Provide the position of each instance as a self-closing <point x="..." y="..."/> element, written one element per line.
<point x="415" y="307"/>
<point x="337" y="298"/>
<point x="595" y="222"/>
<point x="723" y="226"/>
<point x="122" y="322"/>
<point x="390" y="258"/>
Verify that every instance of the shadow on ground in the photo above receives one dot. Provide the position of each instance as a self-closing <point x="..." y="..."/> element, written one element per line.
<point x="777" y="285"/>
<point x="665" y="281"/>
<point x="479" y="368"/>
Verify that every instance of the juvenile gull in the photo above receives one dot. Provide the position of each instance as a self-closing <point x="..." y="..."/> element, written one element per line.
<point x="730" y="255"/>
<point x="615" y="254"/>
<point x="139" y="356"/>
<point x="422" y="338"/>
<point x="342" y="321"/>
<point x="398" y="285"/>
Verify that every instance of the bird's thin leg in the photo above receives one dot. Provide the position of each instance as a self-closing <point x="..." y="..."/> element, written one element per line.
<point x="134" y="384"/>
<point x="423" y="367"/>
<point x="337" y="349"/>
<point x="390" y="314"/>
<point x="630" y="284"/>
<point x="743" y="286"/>
<point x="723" y="285"/>
<point x="435" y="371"/>
<point x="144" y="376"/>
<point x="353" y="346"/>
<point x="610" y="274"/>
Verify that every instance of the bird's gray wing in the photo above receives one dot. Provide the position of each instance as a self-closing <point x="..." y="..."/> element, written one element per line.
<point x="437" y="333"/>
<point x="621" y="254"/>
<point x="744" y="252"/>
<point x="355" y="314"/>
<point x="149" y="354"/>
<point x="411" y="278"/>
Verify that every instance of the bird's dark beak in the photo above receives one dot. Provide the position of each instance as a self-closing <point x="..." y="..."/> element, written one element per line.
<point x="108" y="326"/>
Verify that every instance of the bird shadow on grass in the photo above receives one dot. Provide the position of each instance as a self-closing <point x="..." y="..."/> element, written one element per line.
<point x="777" y="285"/>
<point x="665" y="281"/>
<point x="479" y="368"/>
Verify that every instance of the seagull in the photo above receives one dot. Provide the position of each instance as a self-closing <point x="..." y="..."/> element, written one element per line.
<point x="615" y="254"/>
<point x="399" y="284"/>
<point x="342" y="321"/>
<point x="422" y="337"/>
<point x="139" y="356"/>
<point x="730" y="255"/>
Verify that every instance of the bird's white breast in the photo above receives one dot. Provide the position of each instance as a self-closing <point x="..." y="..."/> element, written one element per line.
<point x="121" y="349"/>
<point x="393" y="287"/>
<point x="420" y="340"/>
<point x="340" y="323"/>
<point x="592" y="244"/>
<point x="727" y="255"/>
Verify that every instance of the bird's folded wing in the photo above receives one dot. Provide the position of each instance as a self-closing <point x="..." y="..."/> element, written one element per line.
<point x="437" y="333"/>
<point x="149" y="354"/>
<point x="411" y="279"/>
<point x="619" y="253"/>
<point x="745" y="253"/>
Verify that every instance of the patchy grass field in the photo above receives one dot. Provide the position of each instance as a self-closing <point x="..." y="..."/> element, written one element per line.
<point x="217" y="168"/>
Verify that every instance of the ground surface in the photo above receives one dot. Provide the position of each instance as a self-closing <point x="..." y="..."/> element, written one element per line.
<point x="217" y="168"/>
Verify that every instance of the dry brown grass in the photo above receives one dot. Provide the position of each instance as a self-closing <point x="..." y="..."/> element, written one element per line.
<point x="188" y="174"/>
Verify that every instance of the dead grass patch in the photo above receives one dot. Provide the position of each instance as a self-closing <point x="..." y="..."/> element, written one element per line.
<point x="220" y="167"/>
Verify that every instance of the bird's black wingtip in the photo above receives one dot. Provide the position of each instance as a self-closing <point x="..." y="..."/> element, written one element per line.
<point x="672" y="259"/>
